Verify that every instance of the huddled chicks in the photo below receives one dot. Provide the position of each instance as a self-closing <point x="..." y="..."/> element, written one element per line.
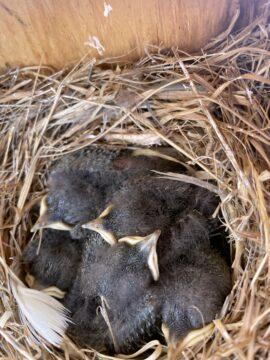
<point x="133" y="252"/>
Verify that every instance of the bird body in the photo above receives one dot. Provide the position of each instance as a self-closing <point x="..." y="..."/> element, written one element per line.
<point x="136" y="251"/>
<point x="189" y="291"/>
<point x="54" y="260"/>
<point x="73" y="198"/>
<point x="186" y="238"/>
<point x="117" y="162"/>
<point x="193" y="293"/>
<point x="80" y="183"/>
<point x="194" y="278"/>
<point x="145" y="204"/>
<point x="117" y="281"/>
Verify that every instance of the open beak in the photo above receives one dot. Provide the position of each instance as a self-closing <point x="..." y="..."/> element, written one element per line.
<point x="134" y="240"/>
<point x="44" y="222"/>
<point x="97" y="226"/>
<point x="57" y="225"/>
<point x="148" y="245"/>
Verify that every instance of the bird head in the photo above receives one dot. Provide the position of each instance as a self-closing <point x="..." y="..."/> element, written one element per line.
<point x="97" y="225"/>
<point x="44" y="220"/>
<point x="147" y="248"/>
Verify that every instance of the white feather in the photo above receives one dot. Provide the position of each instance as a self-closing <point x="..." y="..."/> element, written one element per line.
<point x="44" y="316"/>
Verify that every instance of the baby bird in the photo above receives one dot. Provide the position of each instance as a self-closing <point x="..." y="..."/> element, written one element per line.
<point x="91" y="159"/>
<point x="121" y="163"/>
<point x="116" y="308"/>
<point x="194" y="278"/>
<point x="189" y="235"/>
<point x="184" y="289"/>
<point x="193" y="293"/>
<point x="81" y="183"/>
<point x="54" y="260"/>
<point x="107" y="168"/>
<point x="147" y="203"/>
<point x="119" y="293"/>
<point x="71" y="200"/>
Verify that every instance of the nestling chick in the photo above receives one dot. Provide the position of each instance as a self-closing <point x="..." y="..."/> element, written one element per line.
<point x="193" y="294"/>
<point x="147" y="203"/>
<point x="194" y="278"/>
<point x="183" y="240"/>
<point x="81" y="183"/>
<point x="55" y="260"/>
<point x="120" y="291"/>
<point x="137" y="209"/>
<point x="71" y="200"/>
<point x="116" y="282"/>
<point x="94" y="159"/>
<point x="108" y="168"/>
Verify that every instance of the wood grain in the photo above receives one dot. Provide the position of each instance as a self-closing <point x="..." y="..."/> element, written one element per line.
<point x="56" y="32"/>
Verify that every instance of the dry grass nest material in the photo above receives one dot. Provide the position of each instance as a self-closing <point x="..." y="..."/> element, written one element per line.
<point x="213" y="109"/>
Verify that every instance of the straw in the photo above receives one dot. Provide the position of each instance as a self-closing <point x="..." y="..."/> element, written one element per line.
<point x="212" y="108"/>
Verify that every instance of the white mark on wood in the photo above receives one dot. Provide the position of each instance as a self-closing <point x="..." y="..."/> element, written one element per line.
<point x="107" y="9"/>
<point x="94" y="42"/>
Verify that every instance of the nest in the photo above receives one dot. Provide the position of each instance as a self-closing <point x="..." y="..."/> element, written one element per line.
<point x="212" y="108"/>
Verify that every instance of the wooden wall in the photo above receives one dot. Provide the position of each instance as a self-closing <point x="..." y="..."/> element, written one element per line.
<point x="58" y="32"/>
